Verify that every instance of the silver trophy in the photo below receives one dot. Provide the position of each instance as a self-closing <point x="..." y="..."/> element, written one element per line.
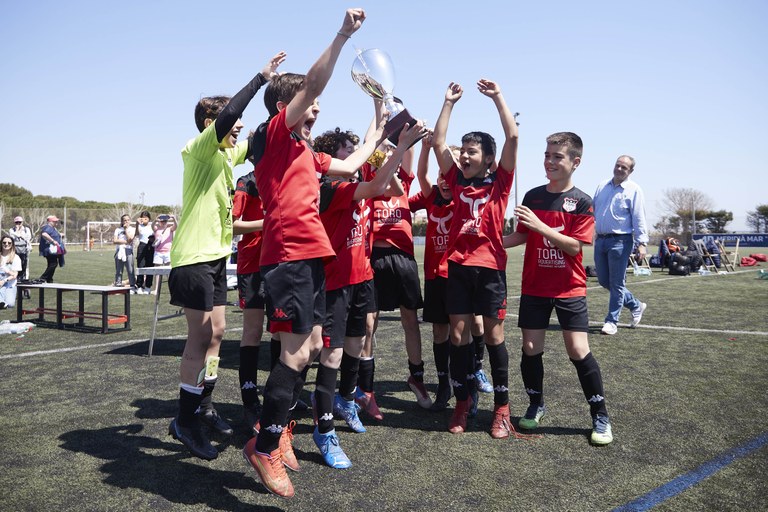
<point x="374" y="72"/>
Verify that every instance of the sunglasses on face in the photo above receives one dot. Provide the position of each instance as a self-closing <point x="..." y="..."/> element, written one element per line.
<point x="7" y="243"/>
<point x="18" y="222"/>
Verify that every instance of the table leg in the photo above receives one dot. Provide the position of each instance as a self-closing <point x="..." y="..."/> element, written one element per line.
<point x="81" y="304"/>
<point x="41" y="304"/>
<point x="104" y="312"/>
<point x="127" y="310"/>
<point x="59" y="308"/>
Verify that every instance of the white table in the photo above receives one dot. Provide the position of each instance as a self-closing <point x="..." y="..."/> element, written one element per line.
<point x="161" y="272"/>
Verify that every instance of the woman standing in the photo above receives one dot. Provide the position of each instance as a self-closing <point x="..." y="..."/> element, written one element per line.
<point x="22" y="240"/>
<point x="145" y="251"/>
<point x="51" y="247"/>
<point x="10" y="266"/>
<point x="123" y="241"/>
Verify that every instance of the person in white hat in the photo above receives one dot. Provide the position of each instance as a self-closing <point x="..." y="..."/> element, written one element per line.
<point x="22" y="240"/>
<point x="51" y="247"/>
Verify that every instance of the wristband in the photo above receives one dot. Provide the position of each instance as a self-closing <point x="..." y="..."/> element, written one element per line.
<point x="343" y="35"/>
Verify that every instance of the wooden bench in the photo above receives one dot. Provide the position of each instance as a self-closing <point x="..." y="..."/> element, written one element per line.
<point x="61" y="313"/>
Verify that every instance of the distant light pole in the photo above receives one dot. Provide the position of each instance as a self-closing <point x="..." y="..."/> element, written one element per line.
<point x="141" y="198"/>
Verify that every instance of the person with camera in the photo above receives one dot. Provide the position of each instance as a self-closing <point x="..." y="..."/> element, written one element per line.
<point x="22" y="241"/>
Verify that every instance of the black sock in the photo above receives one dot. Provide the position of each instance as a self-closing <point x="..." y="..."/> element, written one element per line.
<point x="417" y="371"/>
<point x="188" y="405"/>
<point x="442" y="352"/>
<point x="365" y="375"/>
<point x="274" y="352"/>
<point x="499" y="359"/>
<point x="479" y="343"/>
<point x="348" y="381"/>
<point x="248" y="373"/>
<point x="278" y="393"/>
<point x="298" y="387"/>
<point x="325" y="388"/>
<point x="460" y="362"/>
<point x="206" y="401"/>
<point x="532" y="371"/>
<point x="592" y="384"/>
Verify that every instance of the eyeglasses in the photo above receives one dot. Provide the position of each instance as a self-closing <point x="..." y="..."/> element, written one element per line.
<point x="7" y="243"/>
<point x="18" y="222"/>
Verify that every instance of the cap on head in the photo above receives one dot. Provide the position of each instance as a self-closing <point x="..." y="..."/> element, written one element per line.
<point x="52" y="218"/>
<point x="18" y="218"/>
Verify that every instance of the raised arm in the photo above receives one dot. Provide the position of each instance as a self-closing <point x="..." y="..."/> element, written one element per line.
<point x="422" y="169"/>
<point x="321" y="71"/>
<point x="349" y="166"/>
<point x="236" y="106"/>
<point x="442" y="151"/>
<point x="384" y="175"/>
<point x="508" y="159"/>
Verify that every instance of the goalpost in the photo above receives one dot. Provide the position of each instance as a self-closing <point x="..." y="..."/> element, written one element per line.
<point x="101" y="227"/>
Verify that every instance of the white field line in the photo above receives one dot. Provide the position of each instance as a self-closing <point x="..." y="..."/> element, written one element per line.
<point x="99" y="345"/>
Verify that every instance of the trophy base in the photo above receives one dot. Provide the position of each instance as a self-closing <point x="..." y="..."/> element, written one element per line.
<point x="395" y="125"/>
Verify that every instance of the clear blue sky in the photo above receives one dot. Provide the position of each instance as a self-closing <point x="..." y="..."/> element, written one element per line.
<point x="98" y="96"/>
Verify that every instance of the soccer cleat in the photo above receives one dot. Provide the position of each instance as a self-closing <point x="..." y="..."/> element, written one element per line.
<point x="269" y="468"/>
<point x="347" y="410"/>
<point x="444" y="393"/>
<point x="212" y="419"/>
<point x="481" y="380"/>
<point x="458" y="422"/>
<point x="501" y="425"/>
<point x="609" y="328"/>
<point x="252" y="414"/>
<point x="194" y="439"/>
<point x="601" y="430"/>
<point x="367" y="402"/>
<point x="532" y="417"/>
<point x="637" y="315"/>
<point x="286" y="447"/>
<point x="422" y="397"/>
<point x="329" y="447"/>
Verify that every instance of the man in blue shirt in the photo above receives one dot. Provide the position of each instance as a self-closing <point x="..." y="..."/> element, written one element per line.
<point x="619" y="226"/>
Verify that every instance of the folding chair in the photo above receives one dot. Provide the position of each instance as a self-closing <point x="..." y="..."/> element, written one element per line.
<point x="709" y="261"/>
<point x="728" y="259"/>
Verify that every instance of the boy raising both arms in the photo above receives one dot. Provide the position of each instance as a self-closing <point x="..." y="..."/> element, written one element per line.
<point x="203" y="242"/>
<point x="555" y="221"/>
<point x="477" y="282"/>
<point x="295" y="245"/>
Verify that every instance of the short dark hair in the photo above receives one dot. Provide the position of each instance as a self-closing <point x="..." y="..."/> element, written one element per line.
<point x="146" y="214"/>
<point x="209" y="108"/>
<point x="333" y="140"/>
<point x="570" y="140"/>
<point x="485" y="140"/>
<point x="281" y="88"/>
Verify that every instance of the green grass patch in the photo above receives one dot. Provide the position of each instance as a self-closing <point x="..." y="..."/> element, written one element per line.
<point x="86" y="429"/>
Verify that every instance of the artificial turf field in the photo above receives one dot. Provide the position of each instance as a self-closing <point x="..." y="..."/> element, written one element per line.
<point x="84" y="423"/>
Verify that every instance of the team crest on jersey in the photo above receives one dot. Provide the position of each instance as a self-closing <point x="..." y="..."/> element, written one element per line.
<point x="569" y="204"/>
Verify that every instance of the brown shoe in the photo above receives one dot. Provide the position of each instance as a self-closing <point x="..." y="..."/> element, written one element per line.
<point x="270" y="469"/>
<point x="286" y="448"/>
<point x="501" y="425"/>
<point x="458" y="422"/>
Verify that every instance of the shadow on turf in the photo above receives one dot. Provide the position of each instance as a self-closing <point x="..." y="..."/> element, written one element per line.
<point x="174" y="347"/>
<point x="173" y="474"/>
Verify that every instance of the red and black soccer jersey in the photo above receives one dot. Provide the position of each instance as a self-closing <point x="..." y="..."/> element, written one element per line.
<point x="439" y="215"/>
<point x="286" y="177"/>
<point x="391" y="216"/>
<point x="246" y="205"/>
<point x="547" y="270"/>
<point x="346" y="222"/>
<point x="477" y="228"/>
